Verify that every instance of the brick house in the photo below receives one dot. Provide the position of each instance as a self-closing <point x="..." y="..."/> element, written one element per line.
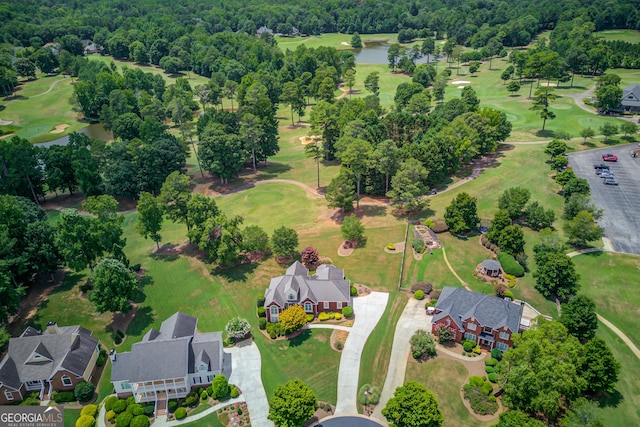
<point x="56" y="359"/>
<point x="327" y="290"/>
<point x="489" y="321"/>
<point x="169" y="363"/>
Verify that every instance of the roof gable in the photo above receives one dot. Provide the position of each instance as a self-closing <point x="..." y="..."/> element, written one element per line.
<point x="40" y="354"/>
<point x="177" y="326"/>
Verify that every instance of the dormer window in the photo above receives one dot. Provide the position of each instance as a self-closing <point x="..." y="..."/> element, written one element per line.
<point x="291" y="297"/>
<point x="202" y="367"/>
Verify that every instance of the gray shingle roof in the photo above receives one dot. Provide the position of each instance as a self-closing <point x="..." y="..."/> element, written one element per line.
<point x="631" y="95"/>
<point x="490" y="264"/>
<point x="490" y="311"/>
<point x="328" y="284"/>
<point x="71" y="349"/>
<point x="174" y="352"/>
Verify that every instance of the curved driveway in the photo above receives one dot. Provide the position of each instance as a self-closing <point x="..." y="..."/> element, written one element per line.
<point x="413" y="318"/>
<point x="368" y="312"/>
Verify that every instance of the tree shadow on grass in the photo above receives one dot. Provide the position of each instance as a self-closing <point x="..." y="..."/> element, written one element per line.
<point x="140" y="322"/>
<point x="545" y="133"/>
<point x="238" y="273"/>
<point x="70" y="280"/>
<point x="612" y="400"/>
<point x="168" y="252"/>
<point x="587" y="144"/>
<point x="371" y="210"/>
<point x="273" y="170"/>
<point x="301" y="338"/>
<point x="140" y="296"/>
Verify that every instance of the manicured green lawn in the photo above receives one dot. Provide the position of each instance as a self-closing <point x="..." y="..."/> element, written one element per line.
<point x="105" y="388"/>
<point x="377" y="351"/>
<point x="621" y="409"/>
<point x="611" y="281"/>
<point x="445" y="377"/>
<point x="70" y="416"/>
<point x="339" y="41"/>
<point x="208" y="421"/>
<point x="630" y="36"/>
<point x="309" y="357"/>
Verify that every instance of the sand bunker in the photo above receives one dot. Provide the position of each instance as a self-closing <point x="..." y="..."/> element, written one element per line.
<point x="5" y="122"/>
<point x="60" y="128"/>
<point x="548" y="84"/>
<point x="460" y="82"/>
<point x="460" y="87"/>
<point x="309" y="139"/>
<point x="345" y="44"/>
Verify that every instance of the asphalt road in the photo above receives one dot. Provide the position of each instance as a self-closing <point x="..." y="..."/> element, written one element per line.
<point x="621" y="203"/>
<point x="348" y="421"/>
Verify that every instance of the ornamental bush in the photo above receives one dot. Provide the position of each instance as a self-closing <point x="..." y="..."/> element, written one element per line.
<point x="309" y="317"/>
<point x="419" y="295"/>
<point x="262" y="312"/>
<point x="323" y="316"/>
<point x="425" y="287"/>
<point x="172" y="406"/>
<point x="124" y="419"/>
<point x="262" y="323"/>
<point x="510" y="265"/>
<point x="490" y="361"/>
<point x="511" y="280"/>
<point x="191" y="400"/>
<point x="64" y="397"/>
<point x="181" y="413"/>
<point x="496" y="354"/>
<point x="347" y="311"/>
<point x="353" y="291"/>
<point x="204" y="396"/>
<point x="337" y="316"/>
<point x="435" y="294"/>
<point x="479" y="401"/>
<point x="85" y="421"/>
<point x="135" y="409"/>
<point x="468" y="345"/>
<point x="220" y="387"/>
<point x="439" y="227"/>
<point x="476" y="381"/>
<point x="140" y="421"/>
<point x="90" y="410"/>
<point x="148" y="409"/>
<point x="477" y="350"/>
<point x="418" y="245"/>
<point x="111" y="416"/>
<point x="108" y="404"/>
<point x="234" y="392"/>
<point x="260" y="300"/>
<point x="391" y="247"/>
<point x="493" y="377"/>
<point x="489" y="369"/>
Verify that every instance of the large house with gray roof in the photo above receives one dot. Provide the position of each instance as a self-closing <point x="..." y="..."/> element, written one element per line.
<point x="168" y="363"/>
<point x="631" y="98"/>
<point x="489" y="321"/>
<point x="326" y="290"/>
<point x="56" y="359"/>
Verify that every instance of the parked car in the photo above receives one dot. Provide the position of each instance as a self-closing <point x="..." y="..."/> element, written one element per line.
<point x="599" y="172"/>
<point x="600" y="166"/>
<point x="609" y="157"/>
<point x="606" y="174"/>
<point x="610" y="181"/>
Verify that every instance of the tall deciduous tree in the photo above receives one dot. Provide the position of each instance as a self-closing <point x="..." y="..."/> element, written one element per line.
<point x="315" y="151"/>
<point x="356" y="157"/>
<point x="150" y="215"/>
<point x="372" y="83"/>
<point x="341" y="192"/>
<point x="408" y="185"/>
<point x="461" y="215"/>
<point x="221" y="153"/>
<point x="579" y="317"/>
<point x="514" y="200"/>
<point x="556" y="275"/>
<point x="77" y="241"/>
<point x="9" y="297"/>
<point x="582" y="229"/>
<point x="352" y="229"/>
<point x="284" y="242"/>
<point x="412" y="405"/>
<point x="356" y="41"/>
<point x="255" y="239"/>
<point x="385" y="159"/>
<point x="175" y="195"/>
<point x="600" y="368"/>
<point x="113" y="286"/>
<point x="543" y="97"/>
<point x="293" y="403"/>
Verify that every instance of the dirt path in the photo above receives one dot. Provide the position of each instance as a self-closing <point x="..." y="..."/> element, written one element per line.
<point x="462" y="282"/>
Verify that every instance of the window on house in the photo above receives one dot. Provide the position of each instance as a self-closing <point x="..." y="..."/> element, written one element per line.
<point x="502" y="346"/>
<point x="504" y="335"/>
<point x="487" y="330"/>
<point x="339" y="306"/>
<point x="291" y="297"/>
<point x="325" y="305"/>
<point x="209" y="378"/>
<point x="66" y="381"/>
<point x="471" y="326"/>
<point x="469" y="336"/>
<point x="126" y="385"/>
<point x="202" y="368"/>
<point x="308" y="307"/>
<point x="8" y="395"/>
<point x="274" y="310"/>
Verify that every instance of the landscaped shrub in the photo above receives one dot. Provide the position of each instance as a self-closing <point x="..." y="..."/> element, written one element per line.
<point x="32" y="399"/>
<point x="347" y="311"/>
<point x="124" y="419"/>
<point x="510" y="265"/>
<point x="468" y="345"/>
<point x="477" y="350"/>
<point x="353" y="291"/>
<point x="64" y="397"/>
<point x="272" y="334"/>
<point x="479" y="401"/>
<point x="429" y="222"/>
<point x="148" y="409"/>
<point x="425" y="287"/>
<point x="234" y="392"/>
<point x="490" y="361"/>
<point x="135" y="409"/>
<point x="488" y="369"/>
<point x="84" y="391"/>
<point x="85" y="421"/>
<point x="111" y="416"/>
<point x="180" y="413"/>
<point x="337" y="316"/>
<point x="418" y="245"/>
<point x="191" y="400"/>
<point x="136" y="267"/>
<point x="102" y="358"/>
<point x="119" y="406"/>
<point x="204" y="396"/>
<point x="511" y="280"/>
<point x="496" y="354"/>
<point x="476" y="381"/>
<point x="323" y="316"/>
<point x="262" y="312"/>
<point x="172" y="405"/>
<point x="117" y="336"/>
<point x="220" y="387"/>
<point x="508" y="294"/>
<point x="108" y="404"/>
<point x="209" y="390"/>
<point x="140" y="421"/>
<point x="368" y="395"/>
<point x="419" y="295"/>
<point x="439" y="227"/>
<point x="422" y="344"/>
<point x="493" y="377"/>
<point x="262" y="323"/>
<point x="435" y="294"/>
<point x="90" y="410"/>
<point x="309" y="317"/>
<point x="274" y="328"/>
<point x="487" y="388"/>
<point x="339" y="346"/>
<point x="391" y="247"/>
<point x="499" y="290"/>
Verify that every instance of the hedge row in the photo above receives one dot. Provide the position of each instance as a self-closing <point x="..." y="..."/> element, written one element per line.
<point x="510" y="265"/>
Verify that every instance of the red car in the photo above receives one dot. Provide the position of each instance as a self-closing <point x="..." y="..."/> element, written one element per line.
<point x="609" y="157"/>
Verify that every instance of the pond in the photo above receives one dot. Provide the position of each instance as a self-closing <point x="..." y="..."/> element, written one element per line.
<point x="376" y="53"/>
<point x="94" y="131"/>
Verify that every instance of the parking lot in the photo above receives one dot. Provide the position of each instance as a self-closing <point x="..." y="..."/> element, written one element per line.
<point x="621" y="203"/>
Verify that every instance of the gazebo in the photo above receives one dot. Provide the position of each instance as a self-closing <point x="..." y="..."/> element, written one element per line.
<point x="491" y="268"/>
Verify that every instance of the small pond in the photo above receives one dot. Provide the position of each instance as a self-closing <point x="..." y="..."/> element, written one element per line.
<point x="94" y="131"/>
<point x="376" y="53"/>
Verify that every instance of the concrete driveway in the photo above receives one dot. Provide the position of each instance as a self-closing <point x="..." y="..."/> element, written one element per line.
<point x="621" y="203"/>
<point x="368" y="311"/>
<point x="413" y="317"/>
<point x="246" y="368"/>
